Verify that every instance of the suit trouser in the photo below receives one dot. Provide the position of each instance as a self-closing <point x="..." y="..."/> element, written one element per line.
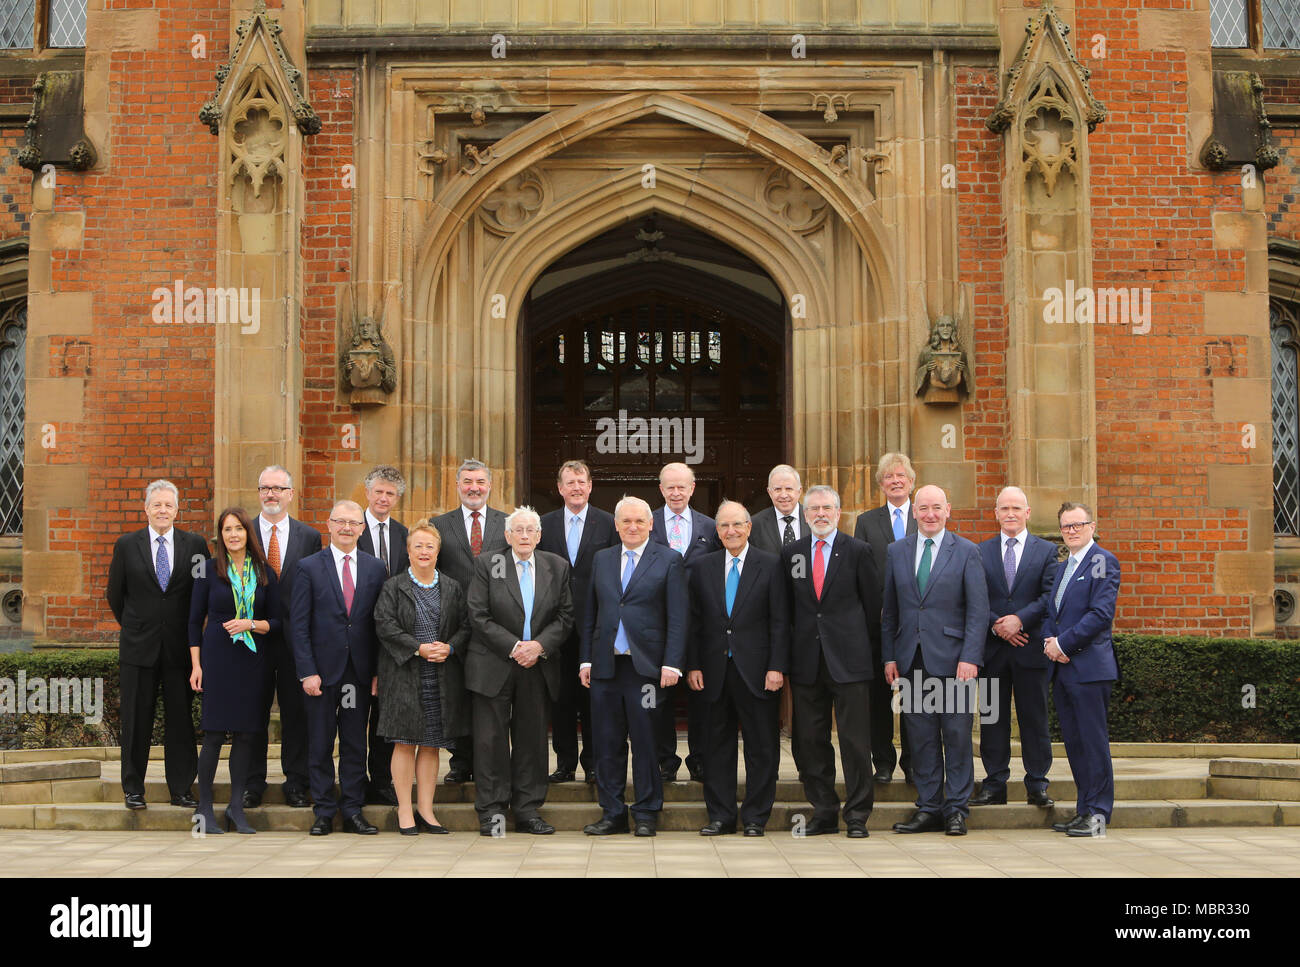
<point x="285" y="687"/>
<point x="759" y="719"/>
<point x="571" y="708"/>
<point x="1030" y="687"/>
<point x="1081" y="708"/>
<point x="815" y="754"/>
<point x="666" y="728"/>
<point x="883" y="756"/>
<point x="510" y="746"/>
<point x="619" y="713"/>
<point x="340" y="709"/>
<point x="138" y="697"/>
<point x="943" y="762"/>
<point x="379" y="755"/>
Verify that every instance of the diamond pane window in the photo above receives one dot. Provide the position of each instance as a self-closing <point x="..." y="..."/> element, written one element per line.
<point x="17" y="24"/>
<point x="1286" y="422"/>
<point x="67" y="23"/>
<point x="13" y="397"/>
<point x="1282" y="24"/>
<point x="1228" y="23"/>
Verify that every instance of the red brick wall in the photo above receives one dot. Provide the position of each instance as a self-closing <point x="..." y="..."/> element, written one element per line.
<point x="1282" y="184"/>
<point x="15" y="185"/>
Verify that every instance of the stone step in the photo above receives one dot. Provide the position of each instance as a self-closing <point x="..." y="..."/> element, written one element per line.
<point x="1255" y="778"/>
<point x="56" y="781"/>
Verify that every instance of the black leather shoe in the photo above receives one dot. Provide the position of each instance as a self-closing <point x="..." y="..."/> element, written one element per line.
<point x="1084" y="827"/>
<point x="883" y="775"/>
<point x="1063" y="826"/>
<point x="294" y="797"/>
<point x="606" y="826"/>
<point x="1040" y="799"/>
<point x="697" y="774"/>
<point x="717" y="827"/>
<point x="323" y="826"/>
<point x="409" y="830"/>
<point x="357" y="824"/>
<point x="562" y="775"/>
<point x="590" y="777"/>
<point x="251" y="800"/>
<point x="537" y="826"/>
<point x="921" y="822"/>
<point x="753" y="829"/>
<point x="857" y="830"/>
<point x="644" y="828"/>
<point x="955" y="825"/>
<point x="458" y="777"/>
<point x="135" y="800"/>
<point x="909" y="778"/>
<point x="381" y="796"/>
<point x="186" y="800"/>
<point x="987" y="797"/>
<point x="668" y="775"/>
<point x="424" y="826"/>
<point x="821" y="827"/>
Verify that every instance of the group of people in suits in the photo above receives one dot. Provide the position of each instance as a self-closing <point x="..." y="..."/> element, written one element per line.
<point x="471" y="632"/>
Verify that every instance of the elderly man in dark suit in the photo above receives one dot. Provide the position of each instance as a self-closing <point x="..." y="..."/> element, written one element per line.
<point x="933" y="626"/>
<point x="576" y="532"/>
<point x="149" y="583"/>
<point x="633" y="647"/>
<point x="1019" y="569"/>
<point x="690" y="534"/>
<point x="521" y="612"/>
<point x="1077" y="637"/>
<point x="467" y="532"/>
<point x="334" y="647"/>
<point x="835" y="608"/>
<point x="880" y="527"/>
<point x="285" y="542"/>
<point x="782" y="522"/>
<point x="736" y="658"/>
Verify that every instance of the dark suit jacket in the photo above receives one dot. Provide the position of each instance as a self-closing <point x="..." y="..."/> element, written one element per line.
<point x="322" y="633"/>
<point x="845" y="623"/>
<point x="154" y="622"/>
<point x="876" y="527"/>
<point x="597" y="532"/>
<point x="397" y="555"/>
<point x="704" y="533"/>
<point x="496" y="617"/>
<point x="455" y="557"/>
<point x="950" y="623"/>
<point x="654" y="610"/>
<point x="304" y="541"/>
<point x="1082" y="626"/>
<point x="1026" y="598"/>
<point x="756" y="631"/>
<point x="767" y="528"/>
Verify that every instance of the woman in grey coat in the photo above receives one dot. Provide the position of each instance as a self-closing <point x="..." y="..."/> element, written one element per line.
<point x="423" y="628"/>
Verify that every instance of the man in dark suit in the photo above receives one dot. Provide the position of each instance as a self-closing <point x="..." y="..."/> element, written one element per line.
<point x="736" y="659"/>
<point x="471" y="529"/>
<point x="781" y="523"/>
<point x="149" y="583"/>
<point x="385" y="537"/>
<point x="1077" y="637"/>
<point x="633" y="647"/>
<point x="690" y="534"/>
<point x="285" y="542"/>
<point x="575" y="532"/>
<point x="521" y="612"/>
<point x="835" y="619"/>
<point x="933" y="626"/>
<point x="880" y="527"/>
<point x="1019" y="569"/>
<point x="332" y="631"/>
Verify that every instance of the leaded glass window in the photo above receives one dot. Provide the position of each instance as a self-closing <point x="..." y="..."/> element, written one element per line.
<point x="1286" y="420"/>
<point x="13" y="395"/>
<point x="1228" y="23"/>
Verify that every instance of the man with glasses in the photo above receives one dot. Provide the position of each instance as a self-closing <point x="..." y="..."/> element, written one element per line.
<point x="332" y="631"/>
<point x="1077" y="637"/>
<point x="285" y="542"/>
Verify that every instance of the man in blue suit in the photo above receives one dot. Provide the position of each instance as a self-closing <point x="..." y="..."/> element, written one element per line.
<point x="932" y="627"/>
<point x="633" y="645"/>
<point x="1077" y="636"/>
<point x="332" y="628"/>
<point x="1019" y="569"/>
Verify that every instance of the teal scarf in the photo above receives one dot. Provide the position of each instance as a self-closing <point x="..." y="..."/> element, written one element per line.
<point x="244" y="588"/>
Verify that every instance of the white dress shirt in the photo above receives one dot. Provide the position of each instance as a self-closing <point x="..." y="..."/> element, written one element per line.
<point x="905" y="507"/>
<point x="372" y="525"/>
<point x="726" y="566"/>
<point x="669" y="518"/>
<point x="338" y="564"/>
<point x="637" y="552"/>
<point x="1018" y="550"/>
<point x="934" y="551"/>
<point x="281" y="528"/>
<point x="537" y="584"/>
<point x="169" y="538"/>
<point x="796" y="522"/>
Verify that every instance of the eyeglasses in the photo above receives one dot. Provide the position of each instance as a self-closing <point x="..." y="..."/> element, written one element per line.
<point x="530" y="529"/>
<point x="339" y="522"/>
<point x="273" y="490"/>
<point x="1074" y="528"/>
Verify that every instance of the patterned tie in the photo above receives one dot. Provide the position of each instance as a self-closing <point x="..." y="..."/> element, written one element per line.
<point x="819" y="569"/>
<point x="788" y="536"/>
<point x="675" y="537"/>
<point x="162" y="566"/>
<point x="1009" y="562"/>
<point x="923" y="572"/>
<point x="475" y="534"/>
<point x="349" y="589"/>
<point x="575" y="538"/>
<point x="899" y="529"/>
<point x="526" y="590"/>
<point x="383" y="546"/>
<point x="1060" y="590"/>
<point x="621" y="646"/>
<point x="733" y="582"/>
<point x="273" y="550"/>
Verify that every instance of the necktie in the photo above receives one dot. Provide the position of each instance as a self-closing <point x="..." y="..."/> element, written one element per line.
<point x="575" y="538"/>
<point x="162" y="566"/>
<point x="675" y="537"/>
<point x="475" y="534"/>
<point x="621" y="646"/>
<point x="273" y="550"/>
<point x="526" y="589"/>
<point x="1060" y="591"/>
<point x="923" y="572"/>
<point x="1009" y="561"/>
<point x="733" y="582"/>
<point x="788" y="536"/>
<point x="629" y="567"/>
<point x="349" y="589"/>
<point x="383" y="546"/>
<point x="899" y="529"/>
<point x="819" y="569"/>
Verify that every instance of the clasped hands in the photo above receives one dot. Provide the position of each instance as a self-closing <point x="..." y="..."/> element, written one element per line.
<point x="527" y="653"/>
<point x="1012" y="629"/>
<point x="1052" y="649"/>
<point x="435" y="651"/>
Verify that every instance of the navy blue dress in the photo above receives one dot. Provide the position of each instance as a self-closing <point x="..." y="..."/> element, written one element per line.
<point x="235" y="680"/>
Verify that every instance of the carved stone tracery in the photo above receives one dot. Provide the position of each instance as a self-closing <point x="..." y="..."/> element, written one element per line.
<point x="515" y="201"/>
<point x="792" y="199"/>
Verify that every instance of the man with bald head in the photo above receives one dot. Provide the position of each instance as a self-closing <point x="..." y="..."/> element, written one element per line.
<point x="932" y="631"/>
<point x="1019" y="569"/>
<point x="332" y="630"/>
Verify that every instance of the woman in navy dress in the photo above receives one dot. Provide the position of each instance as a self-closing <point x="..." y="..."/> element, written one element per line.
<point x="237" y="597"/>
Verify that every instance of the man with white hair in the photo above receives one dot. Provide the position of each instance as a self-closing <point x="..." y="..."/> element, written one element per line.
<point x="782" y="522"/>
